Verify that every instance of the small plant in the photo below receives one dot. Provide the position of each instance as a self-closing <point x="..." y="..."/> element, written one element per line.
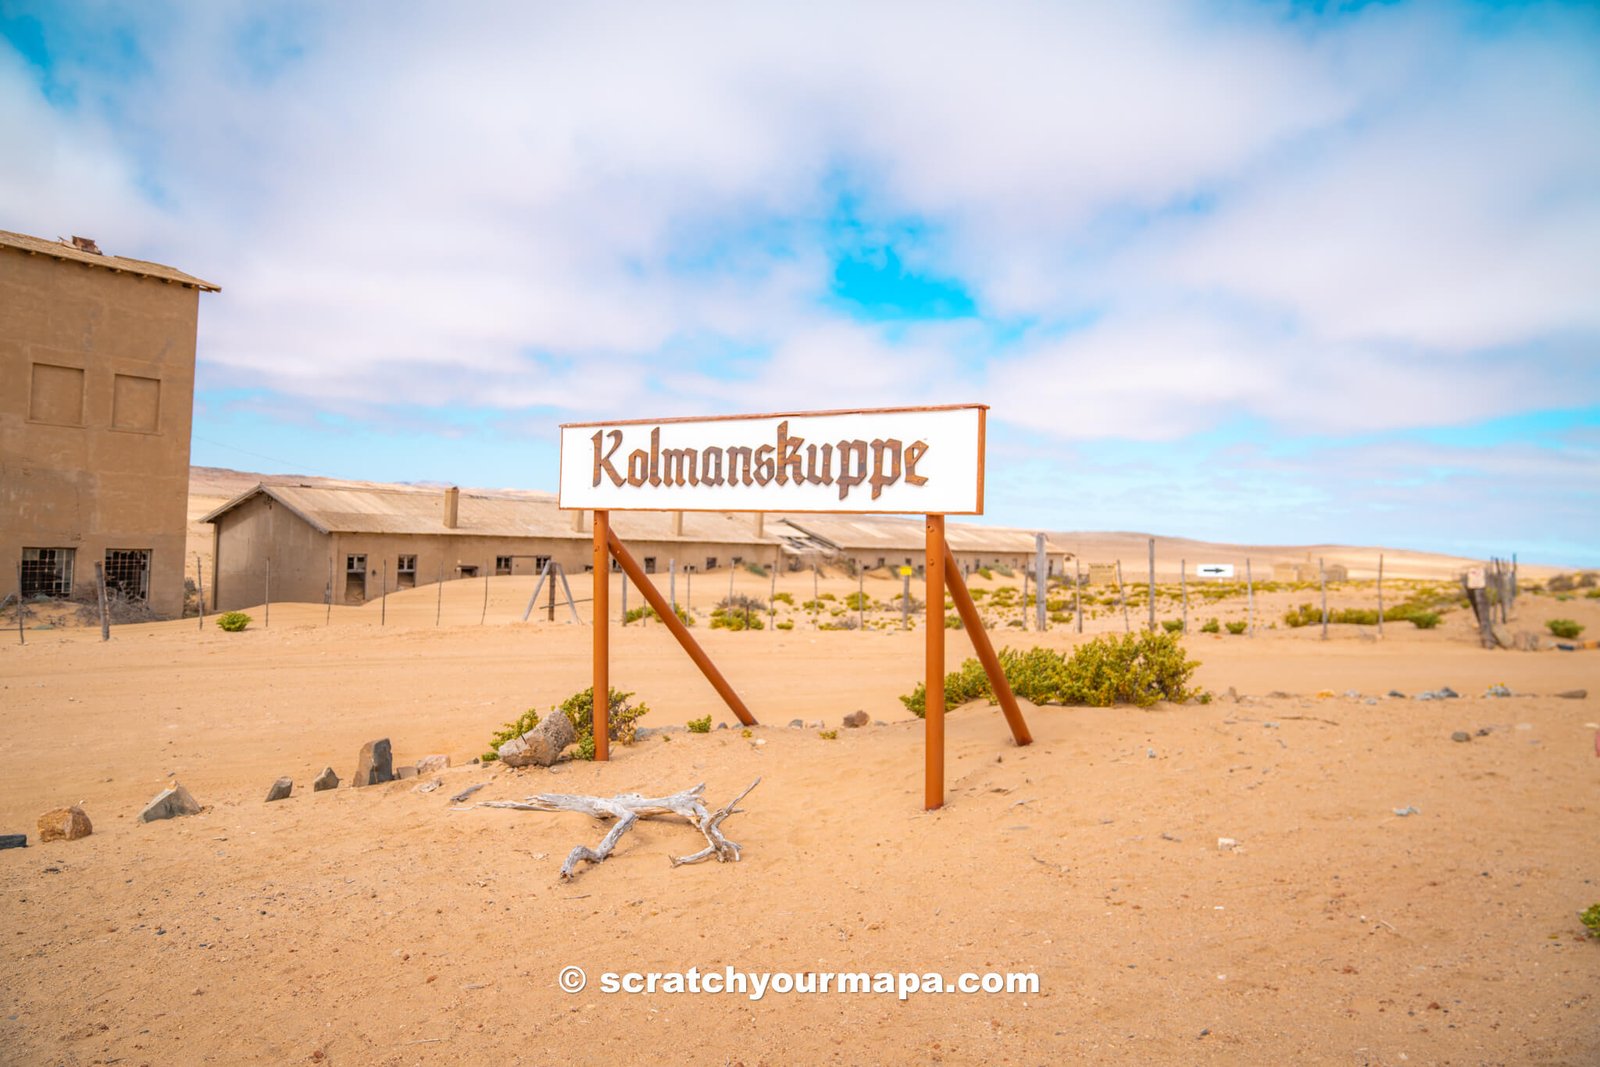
<point x="1591" y="920"/>
<point x="952" y="621"/>
<point x="1564" y="628"/>
<point x="747" y="732"/>
<point x="647" y="612"/>
<point x="787" y="598"/>
<point x="756" y="569"/>
<point x="1235" y="628"/>
<point x="233" y="621"/>
<point x="1212" y="626"/>
<point x="1172" y="626"/>
<point x="621" y="725"/>
<point x="829" y="735"/>
<point x="700" y="726"/>
<point x="786" y="624"/>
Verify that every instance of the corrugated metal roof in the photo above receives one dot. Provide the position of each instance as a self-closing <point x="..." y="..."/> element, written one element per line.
<point x="396" y="510"/>
<point x="887" y="533"/>
<point x="62" y="250"/>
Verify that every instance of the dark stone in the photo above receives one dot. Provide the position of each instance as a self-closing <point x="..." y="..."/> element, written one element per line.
<point x="375" y="764"/>
<point x="13" y="841"/>
<point x="1461" y="735"/>
<point x="408" y="770"/>
<point x="326" y="780"/>
<point x="280" y="790"/>
<point x="855" y="720"/>
<point x="1397" y="693"/>
<point x="1574" y="694"/>
<point x="797" y="724"/>
<point x="1444" y="692"/>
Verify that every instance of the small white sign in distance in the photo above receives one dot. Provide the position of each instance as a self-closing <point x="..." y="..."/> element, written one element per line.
<point x="893" y="460"/>
<point x="1215" y="570"/>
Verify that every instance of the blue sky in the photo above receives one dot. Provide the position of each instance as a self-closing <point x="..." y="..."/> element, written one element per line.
<point x="1264" y="272"/>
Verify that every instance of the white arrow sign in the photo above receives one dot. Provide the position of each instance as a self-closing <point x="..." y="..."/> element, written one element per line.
<point x="1215" y="570"/>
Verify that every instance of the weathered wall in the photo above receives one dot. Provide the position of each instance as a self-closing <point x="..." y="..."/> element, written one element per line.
<point x="96" y="399"/>
<point x="259" y="530"/>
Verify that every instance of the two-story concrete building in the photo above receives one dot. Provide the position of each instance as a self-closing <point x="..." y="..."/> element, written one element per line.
<point x="97" y="357"/>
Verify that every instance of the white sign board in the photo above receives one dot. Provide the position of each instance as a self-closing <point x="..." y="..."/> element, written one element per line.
<point x="1475" y="578"/>
<point x="1215" y="570"/>
<point x="908" y="460"/>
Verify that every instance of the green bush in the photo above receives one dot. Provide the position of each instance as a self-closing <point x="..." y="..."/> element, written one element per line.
<point x="1591" y="920"/>
<point x="786" y="624"/>
<point x="1133" y="669"/>
<point x="756" y="569"/>
<point x="648" y="612"/>
<point x="621" y="726"/>
<point x="787" y="598"/>
<point x="700" y="726"/>
<point x="828" y="735"/>
<point x="858" y="602"/>
<point x="1564" y="628"/>
<point x="233" y="621"/>
<point x="1304" y="615"/>
<point x="739" y="612"/>
<point x="1172" y="626"/>
<point x="1235" y="628"/>
<point x="953" y="621"/>
<point x="1211" y="626"/>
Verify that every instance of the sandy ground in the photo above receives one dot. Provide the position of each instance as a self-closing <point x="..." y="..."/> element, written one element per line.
<point x="381" y="926"/>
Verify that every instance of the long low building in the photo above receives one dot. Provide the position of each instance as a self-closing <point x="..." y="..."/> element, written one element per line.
<point x="352" y="543"/>
<point x="871" y="541"/>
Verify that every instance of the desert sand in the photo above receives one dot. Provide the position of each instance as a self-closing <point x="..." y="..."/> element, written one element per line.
<point x="383" y="926"/>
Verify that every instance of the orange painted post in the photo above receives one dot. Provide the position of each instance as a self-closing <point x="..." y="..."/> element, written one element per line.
<point x="602" y="635"/>
<point x="933" y="674"/>
<point x="981" y="644"/>
<point x="652" y="595"/>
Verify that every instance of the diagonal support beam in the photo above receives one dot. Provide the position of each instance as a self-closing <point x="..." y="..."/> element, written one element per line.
<point x="636" y="574"/>
<point x="980" y="643"/>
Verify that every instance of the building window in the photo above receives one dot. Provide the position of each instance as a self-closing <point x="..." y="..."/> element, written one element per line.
<point x="406" y="565"/>
<point x="47" y="572"/>
<point x="467" y="570"/>
<point x="128" y="572"/>
<point x="136" y="404"/>
<point x="57" y="395"/>
<point x="737" y="560"/>
<point x="355" y="565"/>
<point x="882" y="562"/>
<point x="649" y="564"/>
<point x="502" y="564"/>
<point x="540" y="563"/>
<point x="711" y="563"/>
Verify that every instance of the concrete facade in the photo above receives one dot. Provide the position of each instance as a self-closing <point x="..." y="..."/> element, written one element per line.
<point x="97" y="357"/>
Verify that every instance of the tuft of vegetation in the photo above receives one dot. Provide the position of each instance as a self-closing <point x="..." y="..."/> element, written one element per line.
<point x="1564" y="628"/>
<point x="1137" y="669"/>
<point x="952" y="621"/>
<point x="648" y="612"/>
<point x="829" y="735"/>
<point x="621" y="725"/>
<point x="1235" y="628"/>
<point x="1211" y="626"/>
<point x="233" y="621"/>
<point x="1591" y="920"/>
<point x="700" y="726"/>
<point x="786" y="624"/>
<point x="787" y="598"/>
<point x="739" y="612"/>
<point x="1172" y="626"/>
<point x="858" y="602"/>
<point x="756" y="569"/>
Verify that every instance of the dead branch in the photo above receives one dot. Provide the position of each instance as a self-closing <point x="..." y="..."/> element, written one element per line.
<point x="629" y="808"/>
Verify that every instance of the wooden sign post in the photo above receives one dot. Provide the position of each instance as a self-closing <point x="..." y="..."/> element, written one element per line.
<point x="927" y="461"/>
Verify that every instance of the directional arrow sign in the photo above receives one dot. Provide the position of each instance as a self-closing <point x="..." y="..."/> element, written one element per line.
<point x="1215" y="570"/>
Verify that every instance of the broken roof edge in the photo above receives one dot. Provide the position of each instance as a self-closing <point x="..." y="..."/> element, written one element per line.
<point x="30" y="245"/>
<point x="264" y="489"/>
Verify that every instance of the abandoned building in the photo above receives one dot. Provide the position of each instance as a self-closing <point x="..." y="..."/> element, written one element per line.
<point x="354" y="543"/>
<point x="97" y="357"/>
<point x="871" y="541"/>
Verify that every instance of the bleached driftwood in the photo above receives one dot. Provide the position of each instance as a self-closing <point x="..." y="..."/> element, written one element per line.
<point x="629" y="808"/>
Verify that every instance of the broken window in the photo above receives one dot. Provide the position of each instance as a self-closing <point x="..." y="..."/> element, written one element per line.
<point x="355" y="565"/>
<point x="355" y="579"/>
<point x="737" y="560"/>
<point x="649" y="564"/>
<point x="540" y="563"/>
<point x="711" y="563"/>
<point x="407" y="565"/>
<point x="47" y="572"/>
<point x="406" y="572"/>
<point x="128" y="572"/>
<point x="502" y="564"/>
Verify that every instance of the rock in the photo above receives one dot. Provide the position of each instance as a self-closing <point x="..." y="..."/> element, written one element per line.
<point x="280" y="790"/>
<point x="797" y="724"/>
<point x="1526" y="641"/>
<point x="408" y="770"/>
<point x="1227" y="844"/>
<point x="467" y="792"/>
<point x="855" y="720"/>
<point x="1461" y="735"/>
<point x="1503" y="635"/>
<point x="169" y="804"/>
<point x="644" y="733"/>
<point x="432" y="764"/>
<point x="540" y="746"/>
<point x="1407" y="810"/>
<point x="428" y="787"/>
<point x="1497" y="691"/>
<point x="879" y="722"/>
<point x="326" y="780"/>
<point x="1397" y="693"/>
<point x="13" y="841"/>
<point x="1444" y="692"/>
<point x="815" y="724"/>
<point x="375" y="764"/>
<point x="1574" y="694"/>
<point x="722" y="726"/>
<point x="1278" y="694"/>
<point x="1231" y="696"/>
<point x="64" y="824"/>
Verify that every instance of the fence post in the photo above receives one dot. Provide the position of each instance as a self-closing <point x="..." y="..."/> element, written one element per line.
<point x="861" y="598"/>
<point x="1152" y="585"/>
<point x="1380" y="594"/>
<point x="383" y="596"/>
<point x="438" y="601"/>
<point x="1322" y="579"/>
<point x="672" y="584"/>
<point x="1249" y="600"/>
<point x="483" y="616"/>
<point x="1122" y="591"/>
<point x="1077" y="592"/>
<point x="1024" y="619"/>
<point x="1041" y="578"/>
<point x="200" y="592"/>
<point x="328" y="600"/>
<point x="100" y="595"/>
<point x="1183" y="584"/>
<point x="22" y="637"/>
<point x="268" y="623"/>
<point x="772" y="600"/>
